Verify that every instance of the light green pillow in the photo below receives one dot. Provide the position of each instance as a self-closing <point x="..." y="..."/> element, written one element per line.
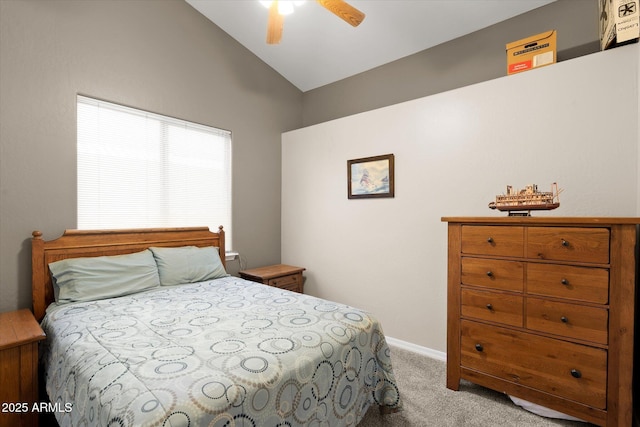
<point x="188" y="264"/>
<point x="93" y="278"/>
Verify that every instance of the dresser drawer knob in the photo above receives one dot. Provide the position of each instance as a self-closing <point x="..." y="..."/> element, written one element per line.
<point x="489" y="307"/>
<point x="565" y="243"/>
<point x="576" y="374"/>
<point x="489" y="273"/>
<point x="564" y="319"/>
<point x="564" y="281"/>
<point x="490" y="240"/>
<point x="479" y="347"/>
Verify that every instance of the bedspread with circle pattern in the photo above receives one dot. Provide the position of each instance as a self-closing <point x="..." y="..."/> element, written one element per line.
<point x="227" y="352"/>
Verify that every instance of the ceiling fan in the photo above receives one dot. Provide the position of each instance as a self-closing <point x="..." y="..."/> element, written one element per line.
<point x="340" y="8"/>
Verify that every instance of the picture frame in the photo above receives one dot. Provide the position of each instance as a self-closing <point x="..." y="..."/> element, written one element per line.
<point x="371" y="177"/>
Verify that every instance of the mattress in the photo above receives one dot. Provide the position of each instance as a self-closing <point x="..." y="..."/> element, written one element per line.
<point x="223" y="352"/>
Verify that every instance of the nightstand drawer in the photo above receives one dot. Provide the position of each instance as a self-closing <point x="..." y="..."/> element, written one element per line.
<point x="280" y="276"/>
<point x="292" y="281"/>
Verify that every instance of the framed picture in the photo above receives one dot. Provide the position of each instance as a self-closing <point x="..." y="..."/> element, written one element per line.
<point x="370" y="177"/>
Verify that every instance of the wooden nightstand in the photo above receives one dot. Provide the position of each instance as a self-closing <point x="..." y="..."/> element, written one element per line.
<point x="19" y="336"/>
<point x="280" y="275"/>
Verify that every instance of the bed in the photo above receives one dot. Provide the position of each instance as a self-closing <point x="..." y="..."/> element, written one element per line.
<point x="222" y="351"/>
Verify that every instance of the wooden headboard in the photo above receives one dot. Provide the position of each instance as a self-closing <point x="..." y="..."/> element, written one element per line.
<point x="91" y="243"/>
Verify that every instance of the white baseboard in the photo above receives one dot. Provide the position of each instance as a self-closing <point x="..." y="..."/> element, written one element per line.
<point x="429" y="352"/>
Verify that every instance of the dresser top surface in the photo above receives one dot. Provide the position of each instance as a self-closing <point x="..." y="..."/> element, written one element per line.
<point x="551" y="220"/>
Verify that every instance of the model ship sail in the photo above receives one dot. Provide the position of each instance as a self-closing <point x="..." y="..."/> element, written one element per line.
<point x="529" y="199"/>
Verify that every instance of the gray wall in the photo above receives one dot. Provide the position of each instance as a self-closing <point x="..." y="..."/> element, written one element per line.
<point x="467" y="60"/>
<point x="162" y="56"/>
<point x="454" y="151"/>
<point x="165" y="57"/>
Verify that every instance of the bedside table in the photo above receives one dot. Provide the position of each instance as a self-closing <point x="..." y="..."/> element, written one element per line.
<point x="19" y="337"/>
<point x="280" y="275"/>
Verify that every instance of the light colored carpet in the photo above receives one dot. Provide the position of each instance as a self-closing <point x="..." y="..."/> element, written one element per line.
<point x="427" y="401"/>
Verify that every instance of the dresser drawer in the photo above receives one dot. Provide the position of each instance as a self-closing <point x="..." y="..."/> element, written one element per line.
<point x="572" y="371"/>
<point x="569" y="282"/>
<point x="493" y="306"/>
<point x="492" y="273"/>
<point x="493" y="240"/>
<point x="589" y="245"/>
<point x="569" y="320"/>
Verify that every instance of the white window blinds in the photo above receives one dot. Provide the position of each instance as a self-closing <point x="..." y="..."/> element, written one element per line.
<point x="139" y="169"/>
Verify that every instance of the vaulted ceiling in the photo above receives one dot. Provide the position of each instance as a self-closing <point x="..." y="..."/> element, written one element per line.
<point x="317" y="48"/>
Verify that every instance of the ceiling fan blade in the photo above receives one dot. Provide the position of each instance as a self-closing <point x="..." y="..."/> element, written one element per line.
<point x="344" y="11"/>
<point x="275" y="24"/>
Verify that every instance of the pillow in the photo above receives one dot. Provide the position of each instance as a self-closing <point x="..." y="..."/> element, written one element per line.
<point x="93" y="278"/>
<point x="188" y="264"/>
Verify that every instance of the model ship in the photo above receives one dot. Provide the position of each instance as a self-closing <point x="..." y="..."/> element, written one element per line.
<point x="529" y="199"/>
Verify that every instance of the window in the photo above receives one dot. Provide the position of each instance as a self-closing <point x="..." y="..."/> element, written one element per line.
<point x="138" y="169"/>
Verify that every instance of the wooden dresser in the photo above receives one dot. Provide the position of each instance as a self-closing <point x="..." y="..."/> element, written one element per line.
<point x="543" y="309"/>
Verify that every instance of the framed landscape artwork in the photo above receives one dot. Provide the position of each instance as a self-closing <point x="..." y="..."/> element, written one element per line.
<point x="370" y="177"/>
